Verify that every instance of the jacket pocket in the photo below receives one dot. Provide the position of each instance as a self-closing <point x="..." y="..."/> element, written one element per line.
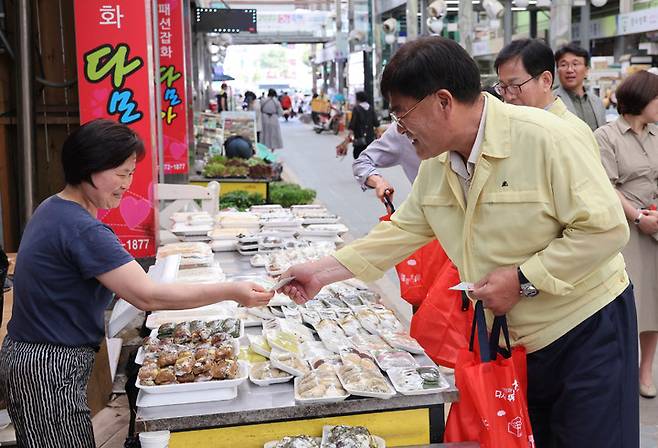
<point x="510" y="197"/>
<point x="437" y="200"/>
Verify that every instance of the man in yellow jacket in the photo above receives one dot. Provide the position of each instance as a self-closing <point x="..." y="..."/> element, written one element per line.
<point x="521" y="204"/>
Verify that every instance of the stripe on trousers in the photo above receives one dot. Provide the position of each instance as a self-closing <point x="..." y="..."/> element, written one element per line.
<point x="45" y="387"/>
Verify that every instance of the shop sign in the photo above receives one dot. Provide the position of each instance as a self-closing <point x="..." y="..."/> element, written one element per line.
<point x="172" y="83"/>
<point x="638" y="21"/>
<point x="598" y="28"/>
<point x="114" y="52"/>
<point x="315" y="22"/>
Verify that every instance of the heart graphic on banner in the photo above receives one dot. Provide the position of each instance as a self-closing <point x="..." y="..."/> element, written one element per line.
<point x="177" y="150"/>
<point x="175" y="147"/>
<point x="99" y="98"/>
<point x="134" y="211"/>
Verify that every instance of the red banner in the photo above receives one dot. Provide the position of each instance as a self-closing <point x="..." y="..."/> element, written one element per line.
<point x="172" y="79"/>
<point x="114" y="45"/>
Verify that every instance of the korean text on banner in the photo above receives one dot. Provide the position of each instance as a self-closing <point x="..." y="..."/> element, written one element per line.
<point x="114" y="46"/>
<point x="172" y="81"/>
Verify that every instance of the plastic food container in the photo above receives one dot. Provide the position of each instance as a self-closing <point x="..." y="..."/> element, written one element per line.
<point x="154" y="439"/>
<point x="417" y="380"/>
<point x="403" y="341"/>
<point x="388" y="359"/>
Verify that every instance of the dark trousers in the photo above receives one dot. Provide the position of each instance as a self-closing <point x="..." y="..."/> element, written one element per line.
<point x="583" y="388"/>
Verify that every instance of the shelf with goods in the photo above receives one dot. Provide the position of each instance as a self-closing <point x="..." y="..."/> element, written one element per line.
<point x="208" y="134"/>
<point x="258" y="413"/>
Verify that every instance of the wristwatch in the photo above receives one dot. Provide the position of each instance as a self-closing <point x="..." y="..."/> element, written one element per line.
<point x="527" y="288"/>
<point x="639" y="218"/>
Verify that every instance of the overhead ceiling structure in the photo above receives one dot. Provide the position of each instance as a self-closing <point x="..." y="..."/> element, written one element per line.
<point x="288" y="21"/>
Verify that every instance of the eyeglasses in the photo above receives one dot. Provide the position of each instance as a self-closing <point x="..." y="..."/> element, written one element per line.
<point x="512" y="89"/>
<point x="398" y="120"/>
<point x="574" y="65"/>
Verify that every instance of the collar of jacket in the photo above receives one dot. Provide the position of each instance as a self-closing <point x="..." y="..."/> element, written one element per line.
<point x="558" y="107"/>
<point x="496" y="142"/>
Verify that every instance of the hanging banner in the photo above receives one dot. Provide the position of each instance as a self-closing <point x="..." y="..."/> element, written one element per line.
<point x="114" y="51"/>
<point x="172" y="81"/>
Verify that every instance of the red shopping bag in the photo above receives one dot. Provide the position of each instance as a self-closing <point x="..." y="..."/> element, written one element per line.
<point x="418" y="271"/>
<point x="492" y="408"/>
<point x="442" y="323"/>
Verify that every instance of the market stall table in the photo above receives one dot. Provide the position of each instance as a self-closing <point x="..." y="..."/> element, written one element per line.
<point x="260" y="414"/>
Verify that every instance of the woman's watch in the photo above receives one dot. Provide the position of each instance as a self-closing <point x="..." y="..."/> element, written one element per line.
<point x="639" y="217"/>
<point x="527" y="288"/>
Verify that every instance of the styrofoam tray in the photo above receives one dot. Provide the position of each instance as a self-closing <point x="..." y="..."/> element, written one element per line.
<point x="192" y="316"/>
<point x="258" y="263"/>
<point x="204" y="385"/>
<point x="334" y="399"/>
<point x="321" y="220"/>
<point x="270" y="381"/>
<point x="362" y="393"/>
<point x="223" y="245"/>
<point x="248" y="253"/>
<point x="273" y="443"/>
<point x="145" y="400"/>
<point x="274" y="359"/>
<point x="257" y="347"/>
<point x="139" y="356"/>
<point x="408" y="357"/>
<point x="157" y="318"/>
<point x="381" y="443"/>
<point x="335" y="228"/>
<point x="262" y="312"/>
<point x="417" y="350"/>
<point x="185" y="230"/>
<point x="443" y="384"/>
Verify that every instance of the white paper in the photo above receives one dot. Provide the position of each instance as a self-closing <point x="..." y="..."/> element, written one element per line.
<point x="281" y="283"/>
<point x="463" y="286"/>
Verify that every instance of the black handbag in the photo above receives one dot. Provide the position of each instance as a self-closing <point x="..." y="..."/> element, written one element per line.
<point x="359" y="142"/>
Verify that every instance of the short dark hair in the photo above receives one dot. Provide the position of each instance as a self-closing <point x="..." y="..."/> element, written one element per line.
<point x="249" y="95"/>
<point x="536" y="56"/>
<point x="271" y="92"/>
<point x="97" y="146"/>
<point x="573" y="49"/>
<point x="635" y="92"/>
<point x="361" y="96"/>
<point x="425" y="65"/>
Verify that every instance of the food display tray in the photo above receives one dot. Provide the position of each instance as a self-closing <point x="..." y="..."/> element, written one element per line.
<point x="200" y="386"/>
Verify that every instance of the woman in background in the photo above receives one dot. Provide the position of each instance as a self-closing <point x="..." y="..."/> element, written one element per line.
<point x="271" y="111"/>
<point x="629" y="152"/>
<point x="253" y="104"/>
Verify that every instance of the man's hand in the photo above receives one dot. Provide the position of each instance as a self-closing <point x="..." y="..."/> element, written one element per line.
<point x="311" y="277"/>
<point x="499" y="290"/>
<point x="250" y="294"/>
<point x="341" y="149"/>
<point x="306" y="284"/>
<point x="649" y="223"/>
<point x="381" y="186"/>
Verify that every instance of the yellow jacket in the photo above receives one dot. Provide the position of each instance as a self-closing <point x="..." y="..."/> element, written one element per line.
<point x="536" y="200"/>
<point x="560" y="109"/>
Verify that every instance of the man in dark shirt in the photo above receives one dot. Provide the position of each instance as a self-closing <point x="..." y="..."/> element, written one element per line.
<point x="572" y="67"/>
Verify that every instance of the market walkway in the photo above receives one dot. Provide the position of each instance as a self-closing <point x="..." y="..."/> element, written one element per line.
<point x="310" y="160"/>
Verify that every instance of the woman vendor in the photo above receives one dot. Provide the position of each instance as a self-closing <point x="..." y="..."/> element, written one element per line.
<point x="69" y="264"/>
